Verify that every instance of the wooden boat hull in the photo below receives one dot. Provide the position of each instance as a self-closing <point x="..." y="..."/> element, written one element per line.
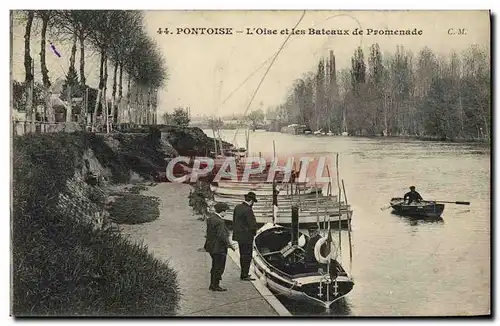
<point x="423" y="209"/>
<point x="282" y="198"/>
<point x="304" y="222"/>
<point x="258" y="192"/>
<point x="309" y="284"/>
<point x="323" y="205"/>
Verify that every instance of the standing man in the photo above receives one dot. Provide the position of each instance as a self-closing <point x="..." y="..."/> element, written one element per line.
<point x="244" y="230"/>
<point x="216" y="244"/>
<point x="412" y="196"/>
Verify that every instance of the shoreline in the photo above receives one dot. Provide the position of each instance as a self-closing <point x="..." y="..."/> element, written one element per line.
<point x="396" y="137"/>
<point x="478" y="141"/>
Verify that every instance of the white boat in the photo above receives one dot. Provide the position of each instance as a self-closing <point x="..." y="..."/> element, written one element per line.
<point x="306" y="219"/>
<point x="304" y="210"/>
<point x="284" y="201"/>
<point x="258" y="191"/>
<point x="309" y="214"/>
<point x="294" y="129"/>
<point x="279" y="263"/>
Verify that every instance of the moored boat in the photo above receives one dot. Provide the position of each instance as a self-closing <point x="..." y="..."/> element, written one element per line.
<point x="421" y="209"/>
<point x="308" y="217"/>
<point x="309" y="200"/>
<point x="258" y="190"/>
<point x="294" y="129"/>
<point x="279" y="262"/>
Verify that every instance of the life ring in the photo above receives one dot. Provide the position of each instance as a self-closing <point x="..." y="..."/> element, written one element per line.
<point x="317" y="251"/>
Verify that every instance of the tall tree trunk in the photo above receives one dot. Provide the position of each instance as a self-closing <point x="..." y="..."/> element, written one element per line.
<point x="82" y="59"/>
<point x="72" y="58"/>
<point x="43" y="64"/>
<point x="149" y="107"/>
<point x="129" y="115"/>
<point x="120" y="94"/>
<point x="27" y="55"/>
<point x="45" y="72"/>
<point x="101" y="86"/>
<point x="29" y="78"/>
<point x="104" y="94"/>
<point x="69" y="89"/>
<point x="140" y="104"/>
<point x="113" y="95"/>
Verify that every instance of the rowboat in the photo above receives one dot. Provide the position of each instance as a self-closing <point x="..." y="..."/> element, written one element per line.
<point x="279" y="262"/>
<point x="421" y="209"/>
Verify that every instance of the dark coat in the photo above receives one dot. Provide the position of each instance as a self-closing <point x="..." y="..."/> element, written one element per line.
<point x="244" y="223"/>
<point x="412" y="196"/>
<point x="217" y="240"/>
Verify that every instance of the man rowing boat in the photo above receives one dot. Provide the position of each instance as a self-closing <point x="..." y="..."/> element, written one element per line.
<point x="413" y="196"/>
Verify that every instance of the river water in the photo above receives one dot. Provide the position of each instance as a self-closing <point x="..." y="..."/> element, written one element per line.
<point x="401" y="266"/>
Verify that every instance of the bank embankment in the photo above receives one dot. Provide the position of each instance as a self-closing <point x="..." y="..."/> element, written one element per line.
<point x="67" y="256"/>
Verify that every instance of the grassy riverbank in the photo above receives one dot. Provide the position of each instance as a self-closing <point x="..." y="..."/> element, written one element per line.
<point x="64" y="260"/>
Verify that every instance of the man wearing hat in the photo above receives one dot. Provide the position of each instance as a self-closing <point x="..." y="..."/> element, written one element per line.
<point x="216" y="244"/>
<point x="412" y="196"/>
<point x="244" y="230"/>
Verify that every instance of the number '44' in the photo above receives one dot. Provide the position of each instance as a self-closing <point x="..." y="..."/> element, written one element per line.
<point x="163" y="31"/>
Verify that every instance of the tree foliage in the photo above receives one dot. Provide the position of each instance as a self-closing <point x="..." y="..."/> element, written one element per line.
<point x="122" y="42"/>
<point x="398" y="93"/>
<point x="255" y="117"/>
<point x="179" y="117"/>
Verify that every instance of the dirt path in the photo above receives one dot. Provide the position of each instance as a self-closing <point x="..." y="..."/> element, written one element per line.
<point x="176" y="237"/>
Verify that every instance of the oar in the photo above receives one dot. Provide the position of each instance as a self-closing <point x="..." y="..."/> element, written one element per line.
<point x="383" y="208"/>
<point x="453" y="202"/>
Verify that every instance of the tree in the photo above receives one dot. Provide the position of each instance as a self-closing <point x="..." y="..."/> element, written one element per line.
<point x="215" y="123"/>
<point x="77" y="24"/>
<point x="377" y="108"/>
<point x="400" y="72"/>
<point x="45" y="16"/>
<point x="129" y="29"/>
<point x="319" y="110"/>
<point x="180" y="117"/>
<point x="255" y="117"/>
<point x="29" y="78"/>
<point x="332" y="98"/>
<point x="102" y="35"/>
<point x="358" y="112"/>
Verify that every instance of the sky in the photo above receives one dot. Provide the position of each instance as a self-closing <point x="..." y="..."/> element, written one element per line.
<point x="205" y="69"/>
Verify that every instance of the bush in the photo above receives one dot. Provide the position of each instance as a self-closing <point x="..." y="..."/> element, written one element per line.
<point x="63" y="266"/>
<point x="134" y="209"/>
<point x="67" y="268"/>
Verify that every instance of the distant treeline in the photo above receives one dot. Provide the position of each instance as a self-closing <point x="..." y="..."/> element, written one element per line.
<point x="398" y="94"/>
